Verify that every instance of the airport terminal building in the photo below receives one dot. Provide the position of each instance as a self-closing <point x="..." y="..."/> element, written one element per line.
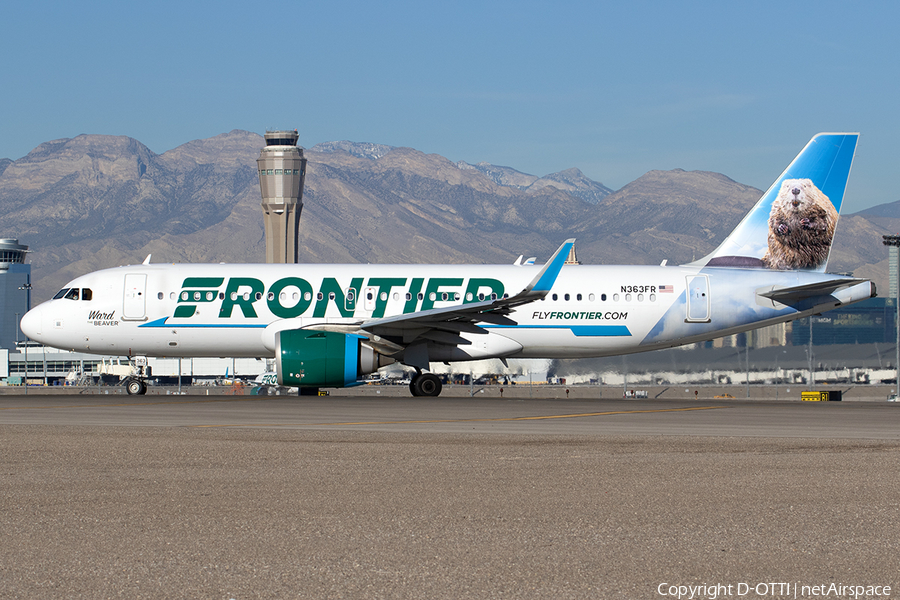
<point x="15" y="291"/>
<point x="871" y="321"/>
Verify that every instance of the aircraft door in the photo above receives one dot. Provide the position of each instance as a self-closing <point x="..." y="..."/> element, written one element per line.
<point x="134" y="306"/>
<point x="350" y="299"/>
<point x="697" y="299"/>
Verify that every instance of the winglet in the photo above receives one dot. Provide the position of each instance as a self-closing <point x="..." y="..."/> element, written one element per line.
<point x="544" y="280"/>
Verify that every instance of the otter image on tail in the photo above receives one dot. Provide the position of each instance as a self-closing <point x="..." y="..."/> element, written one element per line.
<point x="801" y="227"/>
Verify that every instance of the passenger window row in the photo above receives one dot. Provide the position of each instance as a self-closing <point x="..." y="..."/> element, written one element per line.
<point x="87" y="294"/>
<point x="603" y="297"/>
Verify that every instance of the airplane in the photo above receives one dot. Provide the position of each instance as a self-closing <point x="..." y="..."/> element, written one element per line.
<point x="330" y="325"/>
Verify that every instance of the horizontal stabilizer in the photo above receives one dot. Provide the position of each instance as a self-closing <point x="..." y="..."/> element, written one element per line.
<point x="790" y="295"/>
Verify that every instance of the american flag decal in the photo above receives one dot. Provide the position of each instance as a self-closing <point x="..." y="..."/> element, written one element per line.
<point x="666" y="289"/>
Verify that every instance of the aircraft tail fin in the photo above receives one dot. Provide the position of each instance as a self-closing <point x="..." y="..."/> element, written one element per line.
<point x="793" y="224"/>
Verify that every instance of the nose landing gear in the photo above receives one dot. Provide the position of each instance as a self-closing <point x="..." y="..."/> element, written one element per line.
<point x="135" y="386"/>
<point x="136" y="383"/>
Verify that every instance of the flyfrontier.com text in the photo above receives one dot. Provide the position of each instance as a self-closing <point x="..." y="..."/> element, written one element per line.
<point x="772" y="590"/>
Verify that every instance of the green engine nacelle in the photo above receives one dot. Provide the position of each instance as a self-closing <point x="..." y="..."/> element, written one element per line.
<point x="309" y="358"/>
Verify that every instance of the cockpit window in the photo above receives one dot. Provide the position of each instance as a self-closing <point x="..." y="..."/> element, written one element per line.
<point x="61" y="293"/>
<point x="72" y="295"/>
<point x="86" y="294"/>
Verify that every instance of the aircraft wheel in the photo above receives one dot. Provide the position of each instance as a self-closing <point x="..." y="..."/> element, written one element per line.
<point x="135" y="387"/>
<point x="428" y="384"/>
<point x="413" y="383"/>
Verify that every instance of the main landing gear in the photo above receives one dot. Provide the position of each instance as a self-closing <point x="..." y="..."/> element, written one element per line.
<point x="425" y="384"/>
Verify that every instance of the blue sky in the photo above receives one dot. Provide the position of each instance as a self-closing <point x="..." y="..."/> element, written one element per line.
<point x="615" y="90"/>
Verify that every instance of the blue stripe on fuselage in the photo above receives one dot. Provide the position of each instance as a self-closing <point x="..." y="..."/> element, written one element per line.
<point x="578" y="330"/>
<point x="162" y="323"/>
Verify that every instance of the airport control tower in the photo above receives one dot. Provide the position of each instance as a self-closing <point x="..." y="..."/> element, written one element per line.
<point x="282" y="170"/>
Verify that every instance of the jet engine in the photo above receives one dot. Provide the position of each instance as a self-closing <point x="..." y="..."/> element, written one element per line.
<point x="310" y="358"/>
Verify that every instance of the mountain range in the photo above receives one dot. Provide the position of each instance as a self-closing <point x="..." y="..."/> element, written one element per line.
<point x="97" y="201"/>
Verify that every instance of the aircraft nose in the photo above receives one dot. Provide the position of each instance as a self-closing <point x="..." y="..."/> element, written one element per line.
<point x="31" y="323"/>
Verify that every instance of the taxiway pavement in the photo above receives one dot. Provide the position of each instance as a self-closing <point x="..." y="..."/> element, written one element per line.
<point x="713" y="418"/>
<point x="245" y="497"/>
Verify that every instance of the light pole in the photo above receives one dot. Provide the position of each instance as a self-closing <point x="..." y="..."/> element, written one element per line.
<point x="776" y="377"/>
<point x="894" y="242"/>
<point x="747" y="355"/>
<point x="27" y="288"/>
<point x="812" y="374"/>
<point x="17" y="332"/>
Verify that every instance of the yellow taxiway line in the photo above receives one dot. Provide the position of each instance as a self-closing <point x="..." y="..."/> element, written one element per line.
<point x="357" y="423"/>
<point x="482" y="420"/>
<point x="121" y="404"/>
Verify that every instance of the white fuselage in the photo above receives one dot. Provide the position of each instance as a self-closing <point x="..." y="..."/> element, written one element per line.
<point x="235" y="310"/>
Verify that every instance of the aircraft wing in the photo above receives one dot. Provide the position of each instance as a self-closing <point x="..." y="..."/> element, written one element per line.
<point x="444" y="324"/>
<point x="793" y="294"/>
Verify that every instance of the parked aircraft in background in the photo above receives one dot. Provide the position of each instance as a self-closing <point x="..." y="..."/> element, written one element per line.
<point x="330" y="325"/>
